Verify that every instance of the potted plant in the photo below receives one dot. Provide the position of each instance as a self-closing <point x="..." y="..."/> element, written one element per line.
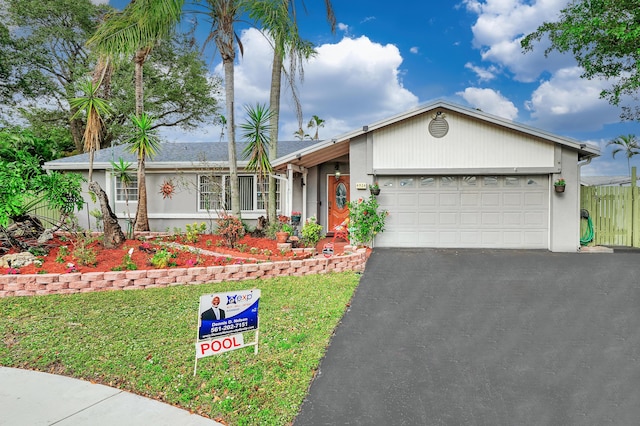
<point x="560" y="185"/>
<point x="374" y="188"/>
<point x="283" y="234"/>
<point x="295" y="217"/>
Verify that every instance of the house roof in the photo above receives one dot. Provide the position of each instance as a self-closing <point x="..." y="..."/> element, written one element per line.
<point x="605" y="180"/>
<point x="335" y="147"/>
<point x="182" y="155"/>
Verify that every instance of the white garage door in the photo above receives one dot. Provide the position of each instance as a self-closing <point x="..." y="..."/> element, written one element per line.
<point x="465" y="211"/>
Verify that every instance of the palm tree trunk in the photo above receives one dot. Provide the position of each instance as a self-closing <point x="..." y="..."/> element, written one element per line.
<point x="142" y="219"/>
<point x="231" y="131"/>
<point x="139" y="59"/>
<point x="274" y="105"/>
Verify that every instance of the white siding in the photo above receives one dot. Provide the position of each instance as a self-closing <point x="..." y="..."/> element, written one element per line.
<point x="469" y="144"/>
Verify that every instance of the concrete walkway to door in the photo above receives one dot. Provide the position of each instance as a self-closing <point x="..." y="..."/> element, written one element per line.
<point x="485" y="337"/>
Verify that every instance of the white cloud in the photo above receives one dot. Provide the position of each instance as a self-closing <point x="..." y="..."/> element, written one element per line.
<point x="100" y="1"/>
<point x="415" y="50"/>
<point x="500" y="26"/>
<point x="568" y="103"/>
<point x="490" y="101"/>
<point x="348" y="84"/>
<point x="484" y="74"/>
<point x="343" y="27"/>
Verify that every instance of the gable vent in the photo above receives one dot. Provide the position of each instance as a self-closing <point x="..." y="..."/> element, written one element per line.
<point x="438" y="127"/>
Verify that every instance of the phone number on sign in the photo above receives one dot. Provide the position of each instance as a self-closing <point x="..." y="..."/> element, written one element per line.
<point x="229" y="327"/>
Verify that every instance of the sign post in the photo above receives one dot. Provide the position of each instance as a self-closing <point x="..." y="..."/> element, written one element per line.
<point x="222" y="318"/>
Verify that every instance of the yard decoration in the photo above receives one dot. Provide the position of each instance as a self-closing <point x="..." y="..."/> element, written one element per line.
<point x="560" y="185"/>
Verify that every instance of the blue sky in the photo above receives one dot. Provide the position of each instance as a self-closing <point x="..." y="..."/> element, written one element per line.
<point x="383" y="60"/>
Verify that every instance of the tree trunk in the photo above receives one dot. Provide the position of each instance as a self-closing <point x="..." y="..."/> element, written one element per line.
<point x="274" y="105"/>
<point x="142" y="218"/>
<point x="113" y="235"/>
<point x="231" y="131"/>
<point x="77" y="131"/>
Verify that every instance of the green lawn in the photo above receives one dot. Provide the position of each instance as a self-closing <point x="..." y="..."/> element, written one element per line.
<point x="144" y="342"/>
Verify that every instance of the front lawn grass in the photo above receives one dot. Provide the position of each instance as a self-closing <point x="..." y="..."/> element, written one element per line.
<point x="144" y="342"/>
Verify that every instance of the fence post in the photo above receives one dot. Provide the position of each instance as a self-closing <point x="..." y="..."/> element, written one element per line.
<point x="635" y="235"/>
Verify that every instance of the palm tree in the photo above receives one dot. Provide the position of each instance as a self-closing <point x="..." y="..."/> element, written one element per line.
<point x="316" y="122"/>
<point x="135" y="31"/>
<point x="287" y="42"/>
<point x="256" y="132"/>
<point x="628" y="145"/>
<point x="144" y="143"/>
<point x="224" y="14"/>
<point x="95" y="108"/>
<point x="300" y="134"/>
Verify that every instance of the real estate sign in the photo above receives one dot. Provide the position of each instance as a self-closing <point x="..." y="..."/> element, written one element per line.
<point x="223" y="317"/>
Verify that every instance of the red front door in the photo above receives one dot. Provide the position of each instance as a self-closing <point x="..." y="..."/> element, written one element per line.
<point x="338" y="197"/>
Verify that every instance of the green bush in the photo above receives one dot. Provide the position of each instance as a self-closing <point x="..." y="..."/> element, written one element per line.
<point x="365" y="221"/>
<point x="311" y="232"/>
<point x="194" y="231"/>
<point x="161" y="258"/>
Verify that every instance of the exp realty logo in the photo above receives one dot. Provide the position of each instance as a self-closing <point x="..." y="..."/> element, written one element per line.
<point x="239" y="298"/>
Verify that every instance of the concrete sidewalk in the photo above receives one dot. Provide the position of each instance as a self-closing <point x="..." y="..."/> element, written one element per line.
<point x="34" y="398"/>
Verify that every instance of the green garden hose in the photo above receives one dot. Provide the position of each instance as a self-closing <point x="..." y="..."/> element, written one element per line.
<point x="587" y="235"/>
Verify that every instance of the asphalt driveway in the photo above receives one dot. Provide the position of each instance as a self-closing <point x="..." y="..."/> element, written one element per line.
<point x="485" y="337"/>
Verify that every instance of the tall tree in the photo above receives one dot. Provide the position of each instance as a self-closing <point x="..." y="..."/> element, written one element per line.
<point x="144" y="143"/>
<point x="316" y="122"/>
<point x="137" y="29"/>
<point x="603" y="36"/>
<point x="625" y="144"/>
<point x="224" y="14"/>
<point x="44" y="55"/>
<point x="287" y="43"/>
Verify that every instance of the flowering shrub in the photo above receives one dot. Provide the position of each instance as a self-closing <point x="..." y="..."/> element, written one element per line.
<point x="365" y="221"/>
<point x="231" y="229"/>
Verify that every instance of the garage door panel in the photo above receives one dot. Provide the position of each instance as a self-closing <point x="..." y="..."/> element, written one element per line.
<point x="512" y="219"/>
<point x="407" y="219"/>
<point x="428" y="200"/>
<point x="491" y="238"/>
<point x="428" y="218"/>
<point x="491" y="219"/>
<point x="469" y="238"/>
<point x="469" y="218"/>
<point x="408" y="199"/>
<point x="493" y="212"/>
<point x="449" y="199"/>
<point x="538" y="218"/>
<point x="491" y="200"/>
<point x="469" y="200"/>
<point x="534" y="199"/>
<point x="448" y="218"/>
<point x="448" y="238"/>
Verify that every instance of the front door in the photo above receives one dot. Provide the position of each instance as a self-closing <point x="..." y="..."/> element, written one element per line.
<point x="338" y="198"/>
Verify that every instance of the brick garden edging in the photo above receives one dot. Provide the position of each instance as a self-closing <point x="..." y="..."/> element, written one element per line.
<point x="43" y="284"/>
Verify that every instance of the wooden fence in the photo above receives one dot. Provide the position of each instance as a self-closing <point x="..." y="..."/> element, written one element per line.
<point x="615" y="213"/>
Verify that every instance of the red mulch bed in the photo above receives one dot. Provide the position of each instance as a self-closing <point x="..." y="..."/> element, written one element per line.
<point x="59" y="259"/>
